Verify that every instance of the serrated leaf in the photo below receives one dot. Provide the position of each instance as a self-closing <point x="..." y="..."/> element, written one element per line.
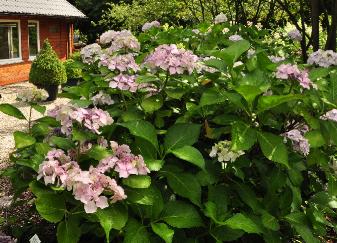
<point x="136" y="232"/>
<point x="50" y="206"/>
<point x="180" y="135"/>
<point x="269" y="102"/>
<point x="68" y="231"/>
<point x="152" y="103"/>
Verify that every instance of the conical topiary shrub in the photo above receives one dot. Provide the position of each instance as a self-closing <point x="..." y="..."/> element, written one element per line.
<point x="48" y="71"/>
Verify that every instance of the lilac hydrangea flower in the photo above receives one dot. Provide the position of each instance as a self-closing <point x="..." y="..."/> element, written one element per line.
<point x="323" y="58"/>
<point x="102" y="99"/>
<point x="150" y="25"/>
<point x="330" y="115"/>
<point x="288" y="71"/>
<point x="124" y="82"/>
<point x="295" y="35"/>
<point x="299" y="142"/>
<point x="276" y="59"/>
<point x="172" y="59"/>
<point x="91" y="53"/>
<point x="235" y="38"/>
<point x="124" y="40"/>
<point x="121" y="63"/>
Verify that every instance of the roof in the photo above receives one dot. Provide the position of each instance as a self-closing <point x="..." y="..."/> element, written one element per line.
<point x="53" y="8"/>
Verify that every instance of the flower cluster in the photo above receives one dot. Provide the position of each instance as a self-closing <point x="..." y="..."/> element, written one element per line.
<point x="91" y="53"/>
<point x="150" y="25"/>
<point x="220" y="18"/>
<point x="124" y="40"/>
<point x="288" y="71"/>
<point x="123" y="162"/>
<point x="235" y="38"/>
<point x="172" y="59"/>
<point x="295" y="35"/>
<point x="223" y="151"/>
<point x="33" y="95"/>
<point x="124" y="82"/>
<point x="93" y="119"/>
<point x="276" y="59"/>
<point x="102" y="99"/>
<point x="330" y="115"/>
<point x="87" y="186"/>
<point x="323" y="58"/>
<point x="119" y="62"/>
<point x="107" y="37"/>
<point x="299" y="142"/>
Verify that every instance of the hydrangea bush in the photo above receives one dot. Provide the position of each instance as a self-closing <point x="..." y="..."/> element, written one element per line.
<point x="189" y="135"/>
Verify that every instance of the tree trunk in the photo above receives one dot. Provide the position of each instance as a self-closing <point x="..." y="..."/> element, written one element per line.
<point x="331" y="40"/>
<point x="315" y="24"/>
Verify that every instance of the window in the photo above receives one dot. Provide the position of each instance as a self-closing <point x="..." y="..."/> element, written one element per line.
<point x="9" y="40"/>
<point x="33" y="34"/>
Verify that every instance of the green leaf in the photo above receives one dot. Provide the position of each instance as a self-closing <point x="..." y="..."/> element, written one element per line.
<point x="225" y="233"/>
<point x="148" y="78"/>
<point x="68" y="231"/>
<point x="163" y="231"/>
<point x="180" y="135"/>
<point x="269" y="221"/>
<point x="184" y="184"/>
<point x="136" y="232"/>
<point x="137" y="181"/>
<point x="249" y="92"/>
<point x="190" y="154"/>
<point x="153" y="164"/>
<point x="144" y="196"/>
<point x="216" y="63"/>
<point x="243" y="137"/>
<point x="299" y="221"/>
<point x="332" y="186"/>
<point x="329" y="131"/>
<point x="98" y="153"/>
<point x="212" y="97"/>
<point x="62" y="143"/>
<point x="113" y="217"/>
<point x="50" y="206"/>
<point x="317" y="73"/>
<point x="269" y="102"/>
<point x="273" y="147"/>
<point x="12" y="111"/>
<point x="175" y="93"/>
<point x="142" y="129"/>
<point x="315" y="138"/>
<point x="152" y="103"/>
<point x="181" y="215"/>
<point x="42" y="148"/>
<point x="248" y="196"/>
<point x="23" y="140"/>
<point x="39" y="108"/>
<point x="231" y="54"/>
<point x="242" y="222"/>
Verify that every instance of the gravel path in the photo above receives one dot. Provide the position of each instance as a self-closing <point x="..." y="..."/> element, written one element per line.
<point x="10" y="124"/>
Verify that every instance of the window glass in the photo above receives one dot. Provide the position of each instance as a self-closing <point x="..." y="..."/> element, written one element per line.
<point x="33" y="39"/>
<point x="9" y="40"/>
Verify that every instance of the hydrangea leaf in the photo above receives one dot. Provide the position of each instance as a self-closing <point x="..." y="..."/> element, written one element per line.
<point x="180" y="135"/>
<point x="113" y="217"/>
<point x="152" y="103"/>
<point x="68" y="231"/>
<point x="181" y="215"/>
<point x="190" y="154"/>
<point x="50" y="206"/>
<point x="136" y="232"/>
<point x="163" y="231"/>
<point x="12" y="111"/>
<point x="273" y="148"/>
<point x="142" y="129"/>
<point x="137" y="181"/>
<point x="243" y="136"/>
<point x="269" y="102"/>
<point x="242" y="222"/>
<point x="23" y="140"/>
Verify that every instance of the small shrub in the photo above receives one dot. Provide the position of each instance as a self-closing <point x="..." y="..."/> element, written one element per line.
<point x="47" y="69"/>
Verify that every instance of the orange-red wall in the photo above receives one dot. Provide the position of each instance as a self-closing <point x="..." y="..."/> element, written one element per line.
<point x="58" y="31"/>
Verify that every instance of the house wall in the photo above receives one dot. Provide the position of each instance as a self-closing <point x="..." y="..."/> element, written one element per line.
<point x="57" y="31"/>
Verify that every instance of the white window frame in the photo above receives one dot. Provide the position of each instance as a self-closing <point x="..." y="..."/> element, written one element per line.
<point x="17" y="59"/>
<point x="31" y="58"/>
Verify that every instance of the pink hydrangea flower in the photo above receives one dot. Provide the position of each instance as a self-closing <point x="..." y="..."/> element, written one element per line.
<point x="150" y="25"/>
<point x="288" y="71"/>
<point x="124" y="82"/>
<point x="121" y="63"/>
<point x="330" y="115"/>
<point x="235" y="38"/>
<point x="295" y="35"/>
<point x="299" y="142"/>
<point x="172" y="59"/>
<point x="124" y="40"/>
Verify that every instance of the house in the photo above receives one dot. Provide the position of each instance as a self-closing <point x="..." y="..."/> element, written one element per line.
<point x="24" y="25"/>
